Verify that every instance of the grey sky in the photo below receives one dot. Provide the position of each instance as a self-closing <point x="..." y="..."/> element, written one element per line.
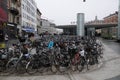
<point x="65" y="11"/>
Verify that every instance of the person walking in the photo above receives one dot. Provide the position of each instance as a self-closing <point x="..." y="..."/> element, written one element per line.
<point x="6" y="40"/>
<point x="31" y="44"/>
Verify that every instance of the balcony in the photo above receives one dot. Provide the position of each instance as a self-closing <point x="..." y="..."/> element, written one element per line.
<point x="14" y="11"/>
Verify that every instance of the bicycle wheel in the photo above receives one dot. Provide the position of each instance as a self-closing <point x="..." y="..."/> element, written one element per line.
<point x="53" y="69"/>
<point x="1" y="66"/>
<point x="41" y="69"/>
<point x="62" y="69"/>
<point x="21" y="66"/>
<point x="10" y="67"/>
<point x="80" y="66"/>
<point x="31" y="67"/>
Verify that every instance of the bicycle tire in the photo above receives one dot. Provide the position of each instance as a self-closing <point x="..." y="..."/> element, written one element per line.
<point x="1" y="66"/>
<point x="80" y="66"/>
<point x="53" y="69"/>
<point x="21" y="67"/>
<point x="10" y="67"/>
<point x="31" y="67"/>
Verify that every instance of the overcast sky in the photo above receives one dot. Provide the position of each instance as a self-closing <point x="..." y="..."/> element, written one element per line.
<point x="63" y="12"/>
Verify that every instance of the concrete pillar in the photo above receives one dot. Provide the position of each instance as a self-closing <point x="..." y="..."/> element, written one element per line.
<point x="119" y="22"/>
<point x="80" y="24"/>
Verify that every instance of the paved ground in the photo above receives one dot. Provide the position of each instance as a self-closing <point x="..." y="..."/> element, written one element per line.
<point x="115" y="78"/>
<point x="110" y="70"/>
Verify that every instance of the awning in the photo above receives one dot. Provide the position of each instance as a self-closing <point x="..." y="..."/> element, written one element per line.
<point x="11" y="24"/>
<point x="2" y="20"/>
<point x="28" y="29"/>
<point x="3" y="14"/>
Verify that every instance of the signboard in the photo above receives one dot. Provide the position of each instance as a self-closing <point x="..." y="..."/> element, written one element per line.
<point x="28" y="29"/>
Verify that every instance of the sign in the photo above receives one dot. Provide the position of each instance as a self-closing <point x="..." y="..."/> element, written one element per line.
<point x="2" y="45"/>
<point x="28" y="29"/>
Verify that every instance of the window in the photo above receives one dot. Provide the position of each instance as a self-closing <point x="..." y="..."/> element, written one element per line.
<point x="41" y="23"/>
<point x="22" y="14"/>
<point x="18" y="20"/>
<point x="24" y="23"/>
<point x="23" y="6"/>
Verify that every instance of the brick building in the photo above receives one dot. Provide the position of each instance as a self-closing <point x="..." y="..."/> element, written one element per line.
<point x="112" y="31"/>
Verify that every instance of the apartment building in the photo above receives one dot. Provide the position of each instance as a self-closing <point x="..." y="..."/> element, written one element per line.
<point x="38" y="20"/>
<point x="48" y="26"/>
<point x="14" y="14"/>
<point x="29" y="15"/>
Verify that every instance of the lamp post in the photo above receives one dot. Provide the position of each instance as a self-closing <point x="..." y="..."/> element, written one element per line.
<point x="84" y="0"/>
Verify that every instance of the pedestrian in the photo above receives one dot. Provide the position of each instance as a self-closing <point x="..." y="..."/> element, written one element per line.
<point x="26" y="35"/>
<point x="31" y="44"/>
<point x="6" y="40"/>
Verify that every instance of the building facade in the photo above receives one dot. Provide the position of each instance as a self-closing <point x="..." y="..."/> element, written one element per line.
<point x="95" y="21"/>
<point x="3" y="21"/>
<point x="22" y="14"/>
<point x="14" y="11"/>
<point x="14" y="14"/>
<point x="112" y="31"/>
<point x="38" y="21"/>
<point x="29" y="15"/>
<point x="48" y="26"/>
<point x="92" y="31"/>
<point x="3" y="10"/>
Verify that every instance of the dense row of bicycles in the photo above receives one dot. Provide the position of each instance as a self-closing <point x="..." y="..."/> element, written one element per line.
<point x="68" y="53"/>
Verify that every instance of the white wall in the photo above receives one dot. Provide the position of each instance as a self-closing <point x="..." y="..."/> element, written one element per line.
<point x="47" y="26"/>
<point x="29" y="13"/>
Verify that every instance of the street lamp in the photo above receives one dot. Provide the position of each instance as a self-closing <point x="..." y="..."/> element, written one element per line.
<point x="84" y="0"/>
